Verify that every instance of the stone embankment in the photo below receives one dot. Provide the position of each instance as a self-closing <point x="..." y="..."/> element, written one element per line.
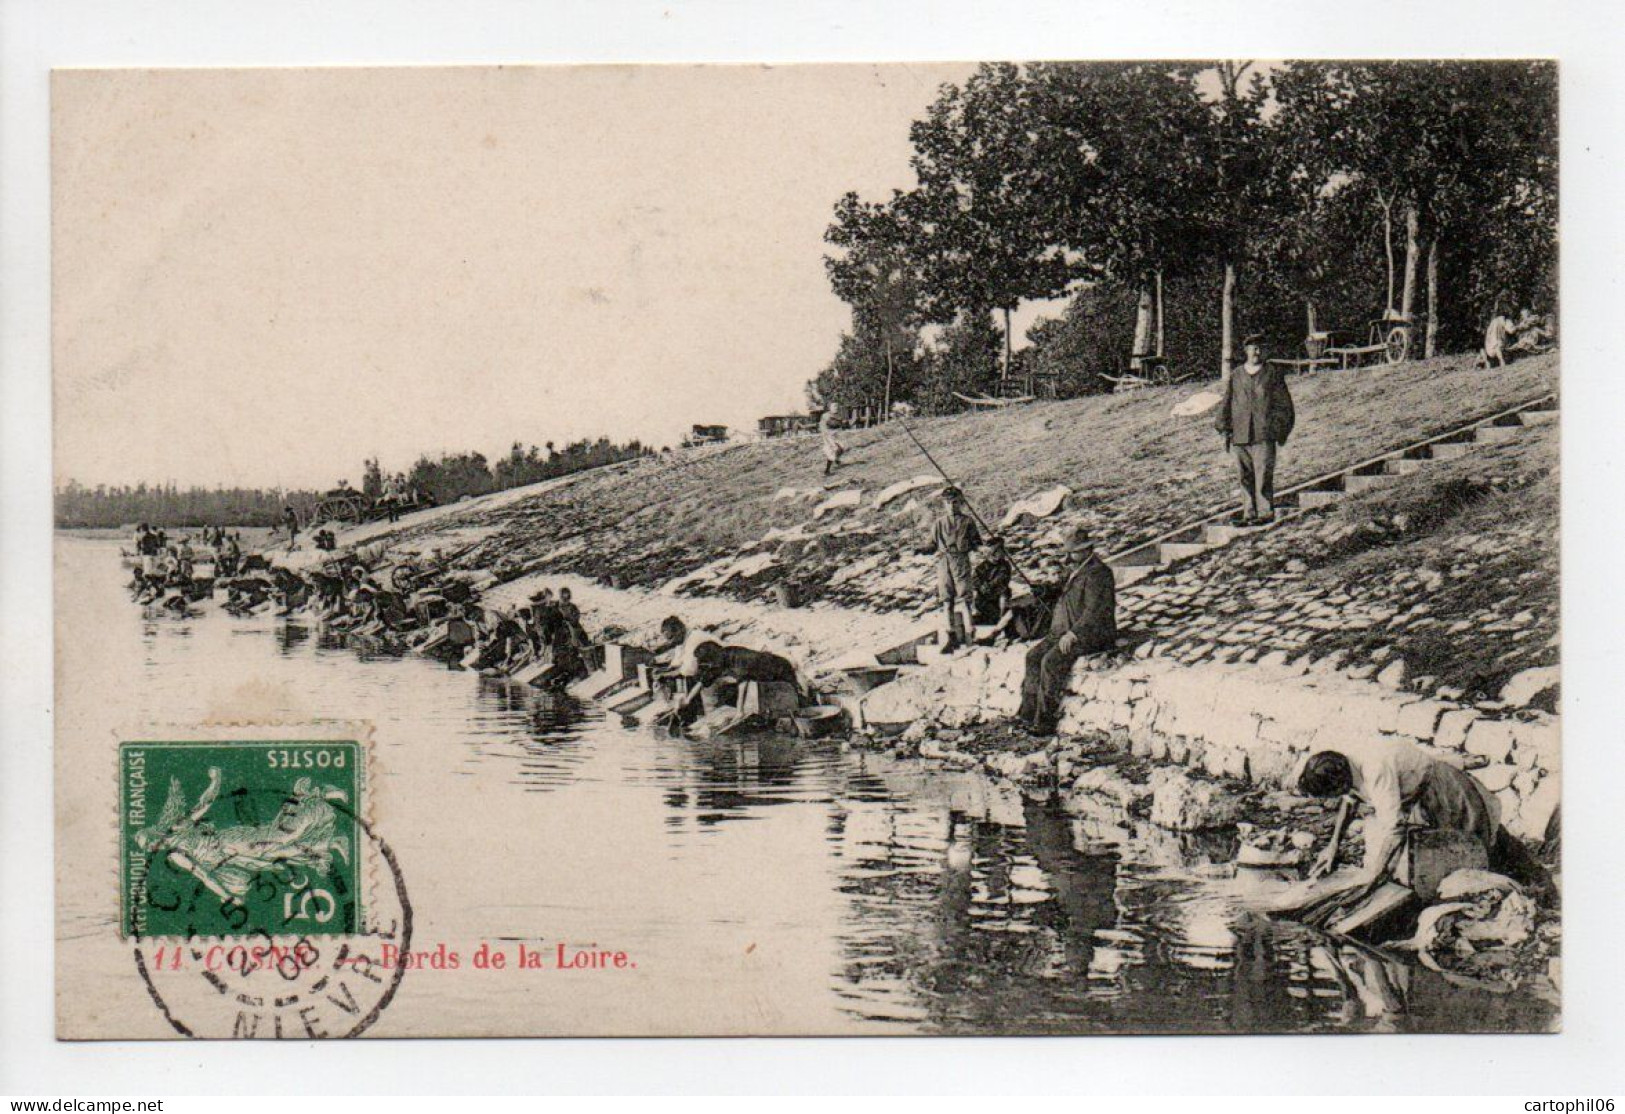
<point x="1246" y="723"/>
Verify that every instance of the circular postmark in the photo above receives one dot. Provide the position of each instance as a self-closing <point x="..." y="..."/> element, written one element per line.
<point x="283" y="950"/>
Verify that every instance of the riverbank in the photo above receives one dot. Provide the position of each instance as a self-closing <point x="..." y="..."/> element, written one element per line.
<point x="1188" y="764"/>
<point x="1423" y="608"/>
<point x="879" y="894"/>
<point x="1420" y="605"/>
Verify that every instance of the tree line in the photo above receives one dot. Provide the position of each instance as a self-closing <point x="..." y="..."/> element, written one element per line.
<point x="451" y="476"/>
<point x="1238" y="199"/>
<point x="172" y="507"/>
<point x="446" y="478"/>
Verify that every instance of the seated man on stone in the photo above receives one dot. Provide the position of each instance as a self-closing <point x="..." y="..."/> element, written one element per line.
<point x="1405" y="788"/>
<point x="1083" y="621"/>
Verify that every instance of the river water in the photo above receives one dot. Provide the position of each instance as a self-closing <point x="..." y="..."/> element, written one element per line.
<point x="760" y="886"/>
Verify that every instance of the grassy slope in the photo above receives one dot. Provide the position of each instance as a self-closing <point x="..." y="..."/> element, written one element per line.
<point x="1135" y="470"/>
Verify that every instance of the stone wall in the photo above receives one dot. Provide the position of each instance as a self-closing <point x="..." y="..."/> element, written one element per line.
<point x="1253" y="722"/>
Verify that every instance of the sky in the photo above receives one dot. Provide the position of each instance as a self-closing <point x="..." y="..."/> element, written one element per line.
<point x="262" y="277"/>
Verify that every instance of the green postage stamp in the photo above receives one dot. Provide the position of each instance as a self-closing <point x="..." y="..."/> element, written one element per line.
<point x="241" y="837"/>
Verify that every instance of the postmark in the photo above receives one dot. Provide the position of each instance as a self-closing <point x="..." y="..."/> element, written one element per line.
<point x="256" y="895"/>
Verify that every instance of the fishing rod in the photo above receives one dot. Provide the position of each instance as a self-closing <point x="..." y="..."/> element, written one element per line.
<point x="986" y="531"/>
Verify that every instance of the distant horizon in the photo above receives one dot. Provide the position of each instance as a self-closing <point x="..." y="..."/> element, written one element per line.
<point x="60" y="483"/>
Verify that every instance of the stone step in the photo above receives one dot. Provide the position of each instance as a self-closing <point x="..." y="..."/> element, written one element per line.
<point x="1310" y="500"/>
<point x="1450" y="450"/>
<point x="1148" y="555"/>
<point x="1367" y="482"/>
<point x="1138" y="563"/>
<point x="1124" y="575"/>
<point x="1178" y="551"/>
<point x="1496" y="434"/>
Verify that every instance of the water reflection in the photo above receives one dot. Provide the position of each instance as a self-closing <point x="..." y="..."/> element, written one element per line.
<point x="291" y="635"/>
<point x="540" y="735"/>
<point x="895" y="896"/>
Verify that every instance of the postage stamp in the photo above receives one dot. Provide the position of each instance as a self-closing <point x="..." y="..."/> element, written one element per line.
<point x="263" y="831"/>
<point x="255" y="895"/>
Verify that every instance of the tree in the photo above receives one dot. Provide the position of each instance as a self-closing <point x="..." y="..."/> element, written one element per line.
<point x="975" y="228"/>
<point x="872" y="275"/>
<point x="372" y="478"/>
<point x="172" y="507"/>
<point x="1450" y="143"/>
<point x="1129" y="164"/>
<point x="1244" y="199"/>
<point x="966" y="357"/>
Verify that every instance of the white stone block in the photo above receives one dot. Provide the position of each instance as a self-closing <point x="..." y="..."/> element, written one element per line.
<point x="1337" y="731"/>
<point x="1421" y="718"/>
<point x="1145" y="715"/>
<point x="1235" y="729"/>
<point x="1452" y="728"/>
<point x="1537" y="809"/>
<point x="1221" y="761"/>
<point x="1272" y="765"/>
<point x="1496" y="776"/>
<point x="1274" y="735"/>
<point x="1122" y="713"/>
<point x="1526" y="781"/>
<point x="1003" y="702"/>
<point x="1511" y="808"/>
<point x="1295" y="707"/>
<point x="1541" y="738"/>
<point x="1376" y="710"/>
<point x="1492" y="738"/>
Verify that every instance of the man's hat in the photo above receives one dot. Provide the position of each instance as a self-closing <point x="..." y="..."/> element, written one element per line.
<point x="1252" y="338"/>
<point x="952" y="494"/>
<point x="1078" y="540"/>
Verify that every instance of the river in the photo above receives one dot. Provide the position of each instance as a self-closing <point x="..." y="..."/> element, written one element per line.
<point x="764" y="886"/>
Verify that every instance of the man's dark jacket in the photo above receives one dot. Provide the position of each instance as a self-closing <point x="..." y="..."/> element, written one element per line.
<point x="1088" y="608"/>
<point x="1256" y="408"/>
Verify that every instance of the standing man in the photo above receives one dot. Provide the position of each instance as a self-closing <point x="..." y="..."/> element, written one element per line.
<point x="291" y="520"/>
<point x="148" y="548"/>
<point x="833" y="449"/>
<point x="1084" y="621"/>
<point x="952" y="538"/>
<point x="1255" y="417"/>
